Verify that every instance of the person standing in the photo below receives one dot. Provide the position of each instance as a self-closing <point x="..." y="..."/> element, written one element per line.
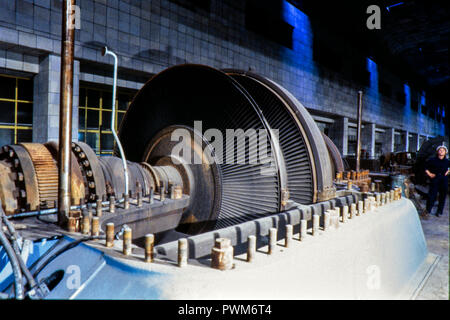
<point x="437" y="169"/>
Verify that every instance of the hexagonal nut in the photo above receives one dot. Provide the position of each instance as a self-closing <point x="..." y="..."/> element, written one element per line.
<point x="222" y="243"/>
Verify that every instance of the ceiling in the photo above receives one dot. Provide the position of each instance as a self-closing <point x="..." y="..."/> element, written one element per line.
<point x="414" y="34"/>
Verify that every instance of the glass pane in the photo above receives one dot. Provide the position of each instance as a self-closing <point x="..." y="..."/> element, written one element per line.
<point x="107" y="142"/>
<point x="82" y="97"/>
<point x="6" y="136"/>
<point x="119" y="119"/>
<point x="25" y="90"/>
<point x="93" y="98"/>
<point x="24" y="135"/>
<point x="123" y="101"/>
<point x="93" y="119"/>
<point x="81" y="136"/>
<point x="81" y="118"/>
<point x="91" y="140"/>
<point x="106" y="120"/>
<point x="7" y="88"/>
<point x="107" y="98"/>
<point x="6" y="112"/>
<point x="25" y="113"/>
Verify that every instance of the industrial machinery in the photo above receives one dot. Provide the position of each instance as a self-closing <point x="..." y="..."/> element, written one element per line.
<point x="206" y="151"/>
<point x="222" y="192"/>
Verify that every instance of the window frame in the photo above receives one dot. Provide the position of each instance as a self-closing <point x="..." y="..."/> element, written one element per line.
<point x="16" y="126"/>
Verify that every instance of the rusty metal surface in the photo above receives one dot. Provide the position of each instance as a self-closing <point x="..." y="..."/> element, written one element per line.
<point x="29" y="181"/>
<point x="46" y="173"/>
<point x="7" y="188"/>
<point x="77" y="183"/>
<point x="65" y="111"/>
<point x="91" y="170"/>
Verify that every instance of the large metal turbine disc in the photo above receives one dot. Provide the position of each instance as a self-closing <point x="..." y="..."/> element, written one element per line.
<point x="337" y="164"/>
<point x="305" y="153"/>
<point x="181" y="95"/>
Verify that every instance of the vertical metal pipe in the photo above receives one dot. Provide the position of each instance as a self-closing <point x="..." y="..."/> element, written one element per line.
<point x="109" y="234"/>
<point x="303" y="229"/>
<point x="127" y="241"/>
<point x="316" y="224"/>
<point x="358" y="133"/>
<point x="344" y="213"/>
<point x="326" y="220"/>
<point x="182" y="252"/>
<point x="251" y="250"/>
<point x="65" y="111"/>
<point x="288" y="238"/>
<point x="272" y="240"/>
<point x="105" y="51"/>
<point x="149" y="244"/>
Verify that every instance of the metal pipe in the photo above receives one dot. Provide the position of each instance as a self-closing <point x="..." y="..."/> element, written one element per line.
<point x="105" y="51"/>
<point x="15" y="238"/>
<point x="55" y="210"/>
<point x="358" y="133"/>
<point x="272" y="240"/>
<point x="12" y="256"/>
<point x="65" y="111"/>
<point x="18" y="285"/>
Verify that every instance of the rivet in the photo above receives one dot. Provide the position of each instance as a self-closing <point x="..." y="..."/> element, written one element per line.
<point x="182" y="252"/>
<point x="149" y="244"/>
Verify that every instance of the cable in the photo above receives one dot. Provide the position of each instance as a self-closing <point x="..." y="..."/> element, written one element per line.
<point x="68" y="246"/>
<point x="31" y="281"/>
<point x="18" y="285"/>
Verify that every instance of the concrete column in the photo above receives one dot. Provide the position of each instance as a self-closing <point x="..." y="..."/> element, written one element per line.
<point x="339" y="134"/>
<point x="388" y="140"/>
<point x="406" y="141"/>
<point x="46" y="100"/>
<point x="417" y="142"/>
<point x="368" y="138"/>
<point x="414" y="143"/>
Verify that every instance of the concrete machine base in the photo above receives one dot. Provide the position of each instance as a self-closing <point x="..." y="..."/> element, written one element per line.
<point x="380" y="254"/>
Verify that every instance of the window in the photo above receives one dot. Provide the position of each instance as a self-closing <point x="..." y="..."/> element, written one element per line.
<point x="16" y="110"/>
<point x="263" y="17"/>
<point x="400" y="97"/>
<point x="326" y="56"/>
<point x="385" y="89"/>
<point x="94" y="122"/>
<point x="194" y="5"/>
<point x="424" y="110"/>
<point x="415" y="105"/>
<point x="351" y="141"/>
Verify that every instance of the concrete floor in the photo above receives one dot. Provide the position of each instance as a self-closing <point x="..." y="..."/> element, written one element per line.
<point x="436" y="232"/>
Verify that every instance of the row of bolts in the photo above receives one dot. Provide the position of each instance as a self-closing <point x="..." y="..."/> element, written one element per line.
<point x="352" y="175"/>
<point x="222" y="248"/>
<point x="174" y="193"/>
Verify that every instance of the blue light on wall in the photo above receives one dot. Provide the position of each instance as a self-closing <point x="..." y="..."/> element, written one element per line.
<point x="300" y="56"/>
<point x="302" y="33"/>
<point x="373" y="69"/>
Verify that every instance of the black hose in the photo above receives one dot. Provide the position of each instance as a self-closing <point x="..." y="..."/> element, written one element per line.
<point x="31" y="281"/>
<point x="18" y="285"/>
<point x="62" y="250"/>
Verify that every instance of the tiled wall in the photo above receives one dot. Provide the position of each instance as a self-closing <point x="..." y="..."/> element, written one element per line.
<point x="149" y="36"/>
